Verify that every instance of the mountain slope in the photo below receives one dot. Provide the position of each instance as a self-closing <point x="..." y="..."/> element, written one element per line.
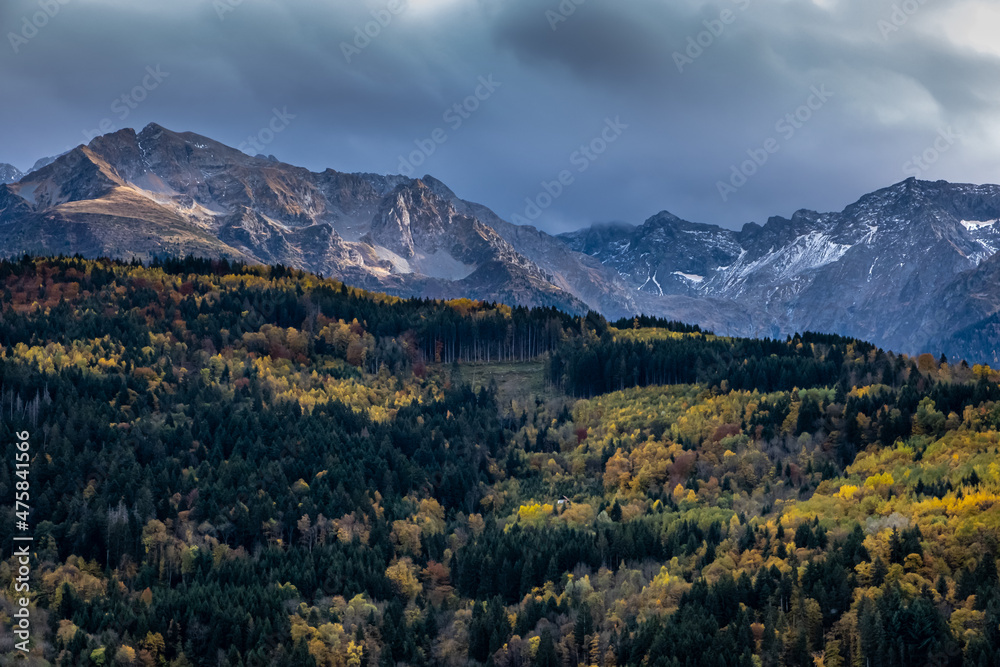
<point x="905" y="266"/>
<point x="157" y="192"/>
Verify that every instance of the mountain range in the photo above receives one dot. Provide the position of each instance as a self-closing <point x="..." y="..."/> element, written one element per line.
<point x="912" y="267"/>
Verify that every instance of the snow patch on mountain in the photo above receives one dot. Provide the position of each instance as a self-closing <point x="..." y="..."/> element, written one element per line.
<point x="620" y="247"/>
<point x="9" y="173"/>
<point x="399" y="264"/>
<point x="806" y="253"/>
<point x="690" y="277"/>
<point x="657" y="284"/>
<point x="976" y="225"/>
<point x="988" y="251"/>
<point x="440" y="264"/>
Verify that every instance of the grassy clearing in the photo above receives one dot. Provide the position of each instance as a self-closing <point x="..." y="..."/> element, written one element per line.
<point x="515" y="381"/>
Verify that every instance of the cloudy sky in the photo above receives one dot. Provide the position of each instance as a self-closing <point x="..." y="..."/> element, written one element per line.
<point x="638" y="105"/>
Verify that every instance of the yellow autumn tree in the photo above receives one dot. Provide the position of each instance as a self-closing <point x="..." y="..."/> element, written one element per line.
<point x="403" y="576"/>
<point x="617" y="471"/>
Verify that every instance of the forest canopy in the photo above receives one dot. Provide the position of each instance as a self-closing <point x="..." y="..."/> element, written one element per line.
<point x="251" y="466"/>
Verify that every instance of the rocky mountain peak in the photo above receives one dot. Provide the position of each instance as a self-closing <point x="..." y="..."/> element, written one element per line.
<point x="44" y="162"/>
<point x="159" y="191"/>
<point x="9" y="173"/>
<point x="665" y="218"/>
<point x="437" y="187"/>
<point x="79" y="175"/>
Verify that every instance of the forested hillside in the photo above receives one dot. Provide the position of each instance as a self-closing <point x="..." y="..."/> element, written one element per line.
<point x="249" y="466"/>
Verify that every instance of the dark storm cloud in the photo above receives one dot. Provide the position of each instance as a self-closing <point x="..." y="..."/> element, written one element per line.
<point x="563" y="71"/>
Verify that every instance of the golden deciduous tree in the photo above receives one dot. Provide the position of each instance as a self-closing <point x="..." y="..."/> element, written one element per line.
<point x="402" y="575"/>
<point x="406" y="536"/>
